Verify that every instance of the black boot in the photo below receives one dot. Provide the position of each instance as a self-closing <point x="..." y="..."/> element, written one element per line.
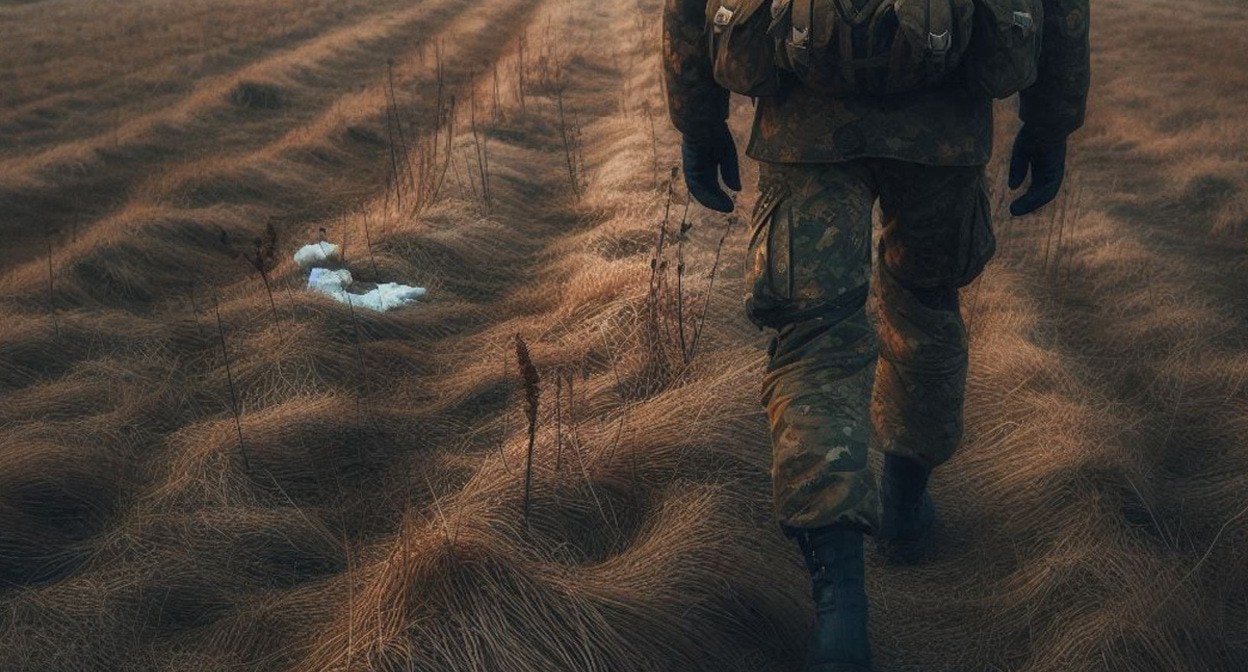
<point x="840" y="641"/>
<point x="907" y="512"/>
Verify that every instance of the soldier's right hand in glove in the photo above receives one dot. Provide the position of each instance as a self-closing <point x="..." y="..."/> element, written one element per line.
<point x="705" y="159"/>
<point x="1045" y="159"/>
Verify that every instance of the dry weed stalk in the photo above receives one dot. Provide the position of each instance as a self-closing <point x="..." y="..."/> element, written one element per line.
<point x="571" y="135"/>
<point x="496" y="110"/>
<point x="532" y="390"/>
<point x="472" y="183"/>
<point x="667" y="322"/>
<point x="368" y="245"/>
<point x="706" y="300"/>
<point x="681" y="237"/>
<point x="481" y="151"/>
<point x="558" y="419"/>
<point x="521" y="41"/>
<point x="394" y="176"/>
<point x="648" y="114"/>
<point x="405" y="149"/>
<point x="56" y="327"/>
<point x="229" y="376"/>
<point x="656" y="320"/>
<point x="264" y="259"/>
<point x="440" y="178"/>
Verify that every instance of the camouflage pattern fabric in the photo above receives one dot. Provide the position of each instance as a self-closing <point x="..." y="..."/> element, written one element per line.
<point x="1055" y="105"/>
<point x="837" y="380"/>
<point x="943" y="126"/>
<point x="695" y="102"/>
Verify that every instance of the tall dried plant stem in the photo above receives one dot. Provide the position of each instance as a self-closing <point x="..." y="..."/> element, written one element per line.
<point x="524" y="37"/>
<point x="390" y="136"/>
<point x="654" y="142"/>
<point x="405" y="150"/>
<point x="479" y="147"/>
<point x="706" y="301"/>
<point x="497" y="111"/>
<point x="569" y="152"/>
<point x="532" y="389"/>
<point x="229" y="376"/>
<point x="558" y="419"/>
<point x="368" y="244"/>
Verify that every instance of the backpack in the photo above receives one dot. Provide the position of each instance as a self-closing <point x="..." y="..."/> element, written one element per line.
<point x="878" y="47"/>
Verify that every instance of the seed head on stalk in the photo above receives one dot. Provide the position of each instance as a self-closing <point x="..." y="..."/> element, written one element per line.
<point x="532" y="390"/>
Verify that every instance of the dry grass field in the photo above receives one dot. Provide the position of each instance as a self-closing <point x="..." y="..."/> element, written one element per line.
<point x="205" y="467"/>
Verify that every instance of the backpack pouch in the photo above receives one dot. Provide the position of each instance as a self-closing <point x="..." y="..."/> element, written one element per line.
<point x="742" y="51"/>
<point x="1004" y="55"/>
<point x="877" y="47"/>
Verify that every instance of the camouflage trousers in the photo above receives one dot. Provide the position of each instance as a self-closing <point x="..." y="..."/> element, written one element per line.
<point x="861" y="357"/>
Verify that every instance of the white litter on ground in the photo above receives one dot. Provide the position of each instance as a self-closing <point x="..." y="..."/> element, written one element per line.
<point x="334" y="283"/>
<point x="318" y="253"/>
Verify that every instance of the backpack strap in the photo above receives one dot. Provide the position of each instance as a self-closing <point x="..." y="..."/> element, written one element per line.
<point x="798" y="42"/>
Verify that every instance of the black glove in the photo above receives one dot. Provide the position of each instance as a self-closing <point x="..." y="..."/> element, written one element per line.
<point x="705" y="159"/>
<point x="1045" y="159"/>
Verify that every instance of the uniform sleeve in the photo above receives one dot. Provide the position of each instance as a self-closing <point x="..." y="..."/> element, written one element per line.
<point x="1055" y="105"/>
<point x="695" y="102"/>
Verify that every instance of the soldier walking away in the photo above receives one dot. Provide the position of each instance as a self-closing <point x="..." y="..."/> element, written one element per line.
<point x="858" y="101"/>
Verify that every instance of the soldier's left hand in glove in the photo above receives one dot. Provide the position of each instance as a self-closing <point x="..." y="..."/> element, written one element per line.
<point x="1045" y="158"/>
<point x="705" y="159"/>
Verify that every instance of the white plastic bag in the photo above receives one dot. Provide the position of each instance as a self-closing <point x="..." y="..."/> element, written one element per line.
<point x="387" y="296"/>
<point x="318" y="253"/>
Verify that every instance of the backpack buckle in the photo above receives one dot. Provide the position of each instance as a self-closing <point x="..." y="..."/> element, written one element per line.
<point x="722" y="18"/>
<point x="939" y="44"/>
<point x="1024" y="20"/>
<point x="799" y="37"/>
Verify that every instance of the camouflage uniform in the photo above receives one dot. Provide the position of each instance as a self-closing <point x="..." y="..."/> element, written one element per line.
<point x="834" y="377"/>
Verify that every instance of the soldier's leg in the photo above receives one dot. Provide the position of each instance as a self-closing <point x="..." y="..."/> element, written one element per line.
<point x="936" y="238"/>
<point x="807" y="277"/>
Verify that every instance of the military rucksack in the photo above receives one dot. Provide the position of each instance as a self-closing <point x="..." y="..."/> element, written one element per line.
<point x="874" y="46"/>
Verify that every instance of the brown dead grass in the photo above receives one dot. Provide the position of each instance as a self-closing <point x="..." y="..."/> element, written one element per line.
<point x="1093" y="521"/>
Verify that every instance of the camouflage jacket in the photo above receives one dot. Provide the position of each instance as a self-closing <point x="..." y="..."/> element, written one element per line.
<point x="945" y="126"/>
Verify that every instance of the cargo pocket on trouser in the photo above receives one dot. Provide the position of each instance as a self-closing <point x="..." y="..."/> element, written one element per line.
<point x="809" y="255"/>
<point x="767" y="274"/>
<point x="977" y="239"/>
